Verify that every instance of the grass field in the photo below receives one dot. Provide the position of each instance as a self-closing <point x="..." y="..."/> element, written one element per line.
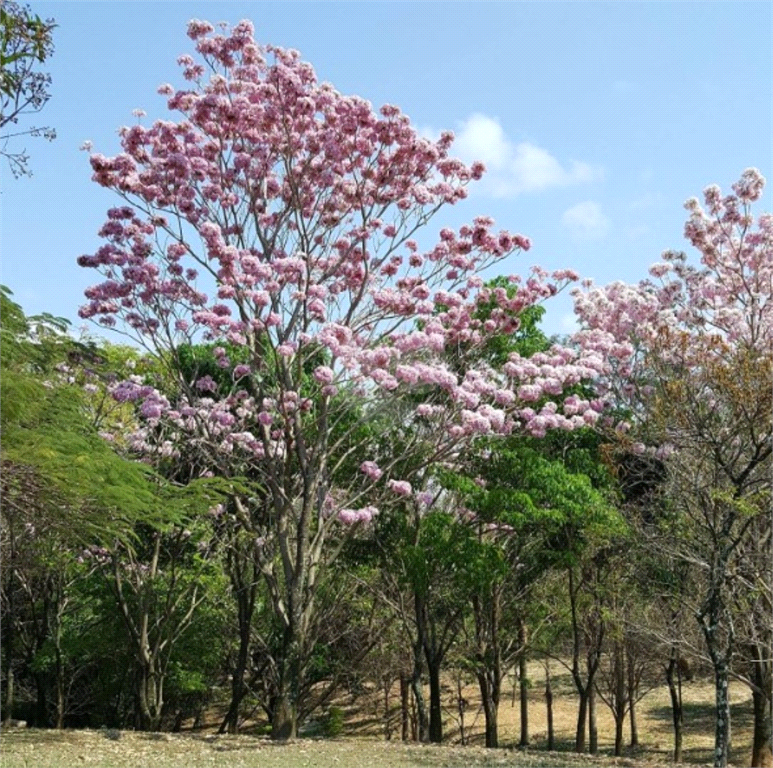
<point x="362" y="741"/>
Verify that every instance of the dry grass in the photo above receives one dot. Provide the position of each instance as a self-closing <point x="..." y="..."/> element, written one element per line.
<point x="33" y="748"/>
<point x="653" y="715"/>
<point x="364" y="744"/>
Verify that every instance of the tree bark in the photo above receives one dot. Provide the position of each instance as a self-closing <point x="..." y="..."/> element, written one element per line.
<point x="582" y="716"/>
<point x="762" y="752"/>
<point x="9" y="692"/>
<point x="461" y="705"/>
<point x="593" y="641"/>
<point x="59" y="674"/>
<point x="722" y="725"/>
<point x="490" y="709"/>
<point x="674" y="679"/>
<point x="435" y="704"/>
<point x="230" y="722"/>
<point x="284" y="720"/>
<point x="422" y="721"/>
<point x="8" y="631"/>
<point x="284" y="724"/>
<point x="523" y="684"/>
<point x="150" y="697"/>
<point x="489" y="661"/>
<point x="245" y="603"/>
<point x="620" y="697"/>
<point x="593" y="728"/>
<point x="549" y="704"/>
<point x="404" y="707"/>
<point x="60" y="697"/>
<point x="632" y="695"/>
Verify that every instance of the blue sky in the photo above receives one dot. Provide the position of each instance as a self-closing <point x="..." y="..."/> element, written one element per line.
<point x="597" y="119"/>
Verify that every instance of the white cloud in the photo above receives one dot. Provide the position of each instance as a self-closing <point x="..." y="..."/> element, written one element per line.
<point x="586" y="221"/>
<point x="514" y="168"/>
<point x="482" y="138"/>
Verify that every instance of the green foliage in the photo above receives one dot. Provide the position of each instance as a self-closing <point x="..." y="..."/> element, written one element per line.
<point x="26" y="41"/>
<point x="526" y="341"/>
<point x="196" y="361"/>
<point x="439" y="543"/>
<point x="53" y="457"/>
<point x="22" y="35"/>
<point x="333" y="723"/>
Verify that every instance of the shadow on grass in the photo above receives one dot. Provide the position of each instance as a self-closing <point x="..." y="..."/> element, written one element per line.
<point x="699" y="717"/>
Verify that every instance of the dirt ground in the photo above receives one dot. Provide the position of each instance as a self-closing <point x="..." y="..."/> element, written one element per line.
<point x="363" y="740"/>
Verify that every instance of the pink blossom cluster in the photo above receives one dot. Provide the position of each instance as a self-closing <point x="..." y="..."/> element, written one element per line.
<point x="362" y="515"/>
<point x="684" y="315"/>
<point x="277" y="215"/>
<point x="729" y="295"/>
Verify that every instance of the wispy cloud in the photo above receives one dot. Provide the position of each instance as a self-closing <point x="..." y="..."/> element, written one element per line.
<point x="514" y="168"/>
<point x="586" y="221"/>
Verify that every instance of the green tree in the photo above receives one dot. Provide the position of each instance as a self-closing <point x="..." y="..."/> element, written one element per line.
<point x="59" y="480"/>
<point x="26" y="41"/>
<point x="66" y="488"/>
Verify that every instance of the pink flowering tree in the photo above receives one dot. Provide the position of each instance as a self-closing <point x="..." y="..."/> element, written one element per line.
<point x="689" y="354"/>
<point x="275" y="219"/>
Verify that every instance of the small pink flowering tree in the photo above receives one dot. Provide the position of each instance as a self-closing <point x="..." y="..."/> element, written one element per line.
<point x="275" y="218"/>
<point x="689" y="354"/>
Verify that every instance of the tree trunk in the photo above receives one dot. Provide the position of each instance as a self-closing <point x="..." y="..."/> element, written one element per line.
<point x="762" y="754"/>
<point x="549" y="703"/>
<point x="284" y="724"/>
<point x="490" y="709"/>
<point x="7" y="628"/>
<point x="230" y="723"/>
<point x="243" y="570"/>
<point x="582" y="716"/>
<point x="593" y="635"/>
<point x="619" y="736"/>
<point x="593" y="728"/>
<point x="404" y="707"/>
<point x="422" y="721"/>
<point x="435" y="704"/>
<point x="284" y="720"/>
<point x="60" y="701"/>
<point x="674" y="679"/>
<point x="59" y="673"/>
<point x="150" y="699"/>
<point x="9" y="692"/>
<point x="489" y="660"/>
<point x="461" y="703"/>
<point x="41" y="700"/>
<point x="722" y="725"/>
<point x="620" y="697"/>
<point x="632" y="695"/>
<point x="492" y="725"/>
<point x="523" y="682"/>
